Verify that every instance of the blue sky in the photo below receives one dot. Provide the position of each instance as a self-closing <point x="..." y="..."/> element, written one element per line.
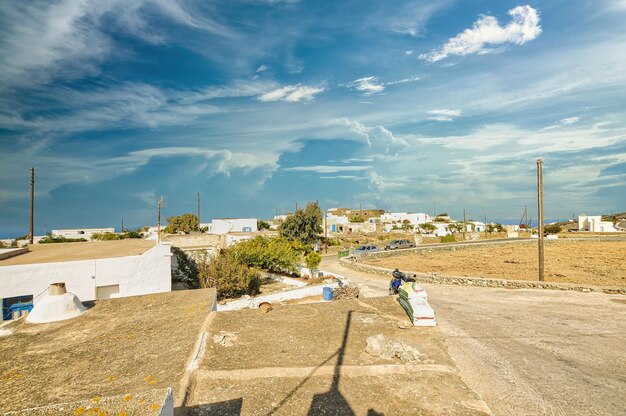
<point x="261" y="104"/>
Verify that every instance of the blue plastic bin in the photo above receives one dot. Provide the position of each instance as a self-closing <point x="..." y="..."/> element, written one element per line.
<point x="328" y="293"/>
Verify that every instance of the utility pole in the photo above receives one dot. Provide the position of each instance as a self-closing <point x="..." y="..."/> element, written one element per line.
<point x="31" y="237"/>
<point x="325" y="233"/>
<point x="122" y="224"/>
<point x="485" y="224"/>
<point x="159" y="206"/>
<point x="198" y="209"/>
<point x="540" y="208"/>
<point x="464" y="224"/>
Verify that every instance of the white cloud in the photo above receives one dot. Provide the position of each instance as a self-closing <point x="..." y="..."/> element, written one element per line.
<point x="443" y="114"/>
<point x="376" y="181"/>
<point x="409" y="52"/>
<point x="569" y="120"/>
<point x="327" y="168"/>
<point x="524" y="27"/>
<point x="367" y="85"/>
<point x="292" y="93"/>
<point x="261" y="68"/>
<point x="404" y="80"/>
<point x="375" y="136"/>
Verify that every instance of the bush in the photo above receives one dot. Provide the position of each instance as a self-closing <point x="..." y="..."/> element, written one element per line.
<point x="227" y="275"/>
<point x="494" y="228"/>
<point x="448" y="239"/>
<point x="262" y="225"/>
<point x="552" y="229"/>
<point x="357" y="218"/>
<point x="50" y="239"/>
<point x="313" y="260"/>
<point x="275" y="254"/>
<point x="107" y="236"/>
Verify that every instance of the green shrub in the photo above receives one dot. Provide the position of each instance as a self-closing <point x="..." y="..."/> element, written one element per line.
<point x="313" y="260"/>
<point x="552" y="229"/>
<point x="50" y="239"/>
<point x="305" y="225"/>
<point x="262" y="225"/>
<point x="106" y="236"/>
<point x="228" y="275"/>
<point x="448" y="239"/>
<point x="357" y="218"/>
<point x="274" y="254"/>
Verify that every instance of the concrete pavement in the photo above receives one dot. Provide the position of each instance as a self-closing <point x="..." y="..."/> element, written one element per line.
<point x="529" y="352"/>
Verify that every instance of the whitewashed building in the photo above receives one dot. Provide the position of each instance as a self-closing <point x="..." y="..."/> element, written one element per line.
<point x="231" y="225"/>
<point x="399" y="217"/>
<point x="85" y="233"/>
<point x="91" y="279"/>
<point x="594" y="223"/>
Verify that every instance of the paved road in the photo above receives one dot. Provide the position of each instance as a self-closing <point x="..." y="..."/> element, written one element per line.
<point x="529" y="352"/>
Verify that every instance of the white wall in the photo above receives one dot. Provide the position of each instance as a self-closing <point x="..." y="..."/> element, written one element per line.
<point x="135" y="275"/>
<point x="227" y="225"/>
<point x="413" y="218"/>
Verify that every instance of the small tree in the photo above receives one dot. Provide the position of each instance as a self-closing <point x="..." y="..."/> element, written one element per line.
<point x="187" y="269"/>
<point x="494" y="228"/>
<point x="305" y="225"/>
<point x="455" y="227"/>
<point x="263" y="225"/>
<point x="406" y="225"/>
<point x="274" y="254"/>
<point x="227" y="275"/>
<point x="185" y="223"/>
<point x="552" y="229"/>
<point x="427" y="227"/>
<point x="313" y="260"/>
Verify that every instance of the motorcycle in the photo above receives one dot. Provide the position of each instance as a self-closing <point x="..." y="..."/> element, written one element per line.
<point x="397" y="279"/>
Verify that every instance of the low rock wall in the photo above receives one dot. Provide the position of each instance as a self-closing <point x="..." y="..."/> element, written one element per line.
<point x="436" y="278"/>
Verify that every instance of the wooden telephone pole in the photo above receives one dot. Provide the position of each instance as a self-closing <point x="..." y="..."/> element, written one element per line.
<point x="198" y="209"/>
<point x="31" y="236"/>
<point x="159" y="206"/>
<point x="464" y="223"/>
<point x="540" y="208"/>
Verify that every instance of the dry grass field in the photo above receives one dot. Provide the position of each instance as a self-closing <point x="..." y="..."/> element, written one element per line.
<point x="601" y="263"/>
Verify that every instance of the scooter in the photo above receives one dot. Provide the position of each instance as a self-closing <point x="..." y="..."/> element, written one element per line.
<point x="397" y="279"/>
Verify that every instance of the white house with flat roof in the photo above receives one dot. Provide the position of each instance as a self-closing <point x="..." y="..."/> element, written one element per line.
<point x="23" y="285"/>
<point x="399" y="217"/>
<point x="231" y="225"/>
<point x="594" y="223"/>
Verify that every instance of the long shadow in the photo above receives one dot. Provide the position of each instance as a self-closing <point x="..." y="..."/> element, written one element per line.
<point x="331" y="402"/>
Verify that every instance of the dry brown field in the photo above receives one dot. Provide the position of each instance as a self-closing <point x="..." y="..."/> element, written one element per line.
<point x="600" y="263"/>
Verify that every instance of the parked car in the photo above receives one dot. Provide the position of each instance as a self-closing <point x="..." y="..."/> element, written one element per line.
<point x="364" y="249"/>
<point x="396" y="244"/>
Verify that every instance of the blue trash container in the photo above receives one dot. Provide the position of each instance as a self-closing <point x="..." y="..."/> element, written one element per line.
<point x="328" y="293"/>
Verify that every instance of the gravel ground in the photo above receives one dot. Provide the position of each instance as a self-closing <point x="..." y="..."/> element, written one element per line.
<point x="599" y="263"/>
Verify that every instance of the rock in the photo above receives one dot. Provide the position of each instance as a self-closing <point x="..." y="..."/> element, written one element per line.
<point x="265" y="307"/>
<point x="380" y="346"/>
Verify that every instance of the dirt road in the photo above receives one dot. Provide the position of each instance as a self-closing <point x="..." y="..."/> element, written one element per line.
<point x="530" y="352"/>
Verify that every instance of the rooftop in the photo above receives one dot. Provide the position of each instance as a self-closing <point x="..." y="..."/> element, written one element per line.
<point x="60" y="252"/>
<point x="311" y="359"/>
<point x="120" y="346"/>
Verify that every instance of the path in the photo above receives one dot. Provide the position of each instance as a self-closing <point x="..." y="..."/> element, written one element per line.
<point x="529" y="352"/>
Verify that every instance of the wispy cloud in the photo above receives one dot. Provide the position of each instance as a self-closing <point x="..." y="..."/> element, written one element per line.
<point x="69" y="39"/>
<point x="292" y="93"/>
<point x="569" y="120"/>
<point x="444" y="114"/>
<point x="403" y="81"/>
<point x="261" y="68"/>
<point x="524" y="27"/>
<point x="327" y="168"/>
<point x="367" y="85"/>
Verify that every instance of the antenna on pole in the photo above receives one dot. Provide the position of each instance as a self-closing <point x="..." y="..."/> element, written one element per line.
<point x="540" y="209"/>
<point x="198" y="208"/>
<point x="31" y="236"/>
<point x="464" y="224"/>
